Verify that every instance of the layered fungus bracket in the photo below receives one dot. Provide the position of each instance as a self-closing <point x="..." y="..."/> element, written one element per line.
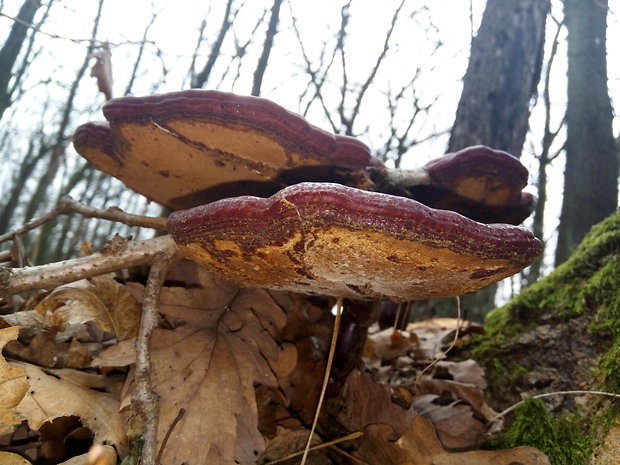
<point x="330" y="239"/>
<point x="188" y="148"/>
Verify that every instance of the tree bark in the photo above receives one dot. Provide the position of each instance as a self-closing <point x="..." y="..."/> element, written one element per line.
<point x="501" y="79"/>
<point x="11" y="48"/>
<point x="272" y="30"/>
<point x="503" y="73"/>
<point x="591" y="172"/>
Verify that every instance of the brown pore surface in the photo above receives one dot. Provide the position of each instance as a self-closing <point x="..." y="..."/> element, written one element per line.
<point x="330" y="239"/>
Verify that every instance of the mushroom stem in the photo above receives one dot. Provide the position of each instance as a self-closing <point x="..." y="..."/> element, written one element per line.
<point x="357" y="317"/>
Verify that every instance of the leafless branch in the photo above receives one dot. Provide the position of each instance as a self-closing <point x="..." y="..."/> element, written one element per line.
<point x="69" y="206"/>
<point x="118" y="254"/>
<point x="144" y="397"/>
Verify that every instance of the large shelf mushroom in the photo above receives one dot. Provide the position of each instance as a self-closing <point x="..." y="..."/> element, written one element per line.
<point x="188" y="148"/>
<point x="330" y="239"/>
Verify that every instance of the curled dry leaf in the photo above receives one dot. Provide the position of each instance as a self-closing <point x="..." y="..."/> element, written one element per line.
<point x="58" y="393"/>
<point x="420" y="446"/>
<point x="13" y="385"/>
<point x="456" y="426"/>
<point x="102" y="302"/>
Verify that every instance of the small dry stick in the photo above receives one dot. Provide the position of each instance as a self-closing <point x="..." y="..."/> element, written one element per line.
<point x="550" y="394"/>
<point x="68" y="206"/>
<point x="116" y="257"/>
<point x="333" y="442"/>
<point x="328" y="368"/>
<point x="144" y="397"/>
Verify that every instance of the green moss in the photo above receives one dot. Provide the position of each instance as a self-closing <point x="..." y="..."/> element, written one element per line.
<point x="561" y="439"/>
<point x="584" y="282"/>
<point x="588" y="284"/>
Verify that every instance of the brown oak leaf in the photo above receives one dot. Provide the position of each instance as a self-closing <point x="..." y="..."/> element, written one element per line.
<point x="60" y="393"/>
<point x="205" y="370"/>
<point x="13" y="385"/>
<point x="420" y="446"/>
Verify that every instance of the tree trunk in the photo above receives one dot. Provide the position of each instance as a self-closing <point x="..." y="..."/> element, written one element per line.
<point x="272" y="30"/>
<point x="10" y="50"/>
<point x="503" y="73"/>
<point x="502" y="77"/>
<point x="590" y="176"/>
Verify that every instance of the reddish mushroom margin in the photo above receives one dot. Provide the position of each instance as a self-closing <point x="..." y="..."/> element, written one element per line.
<point x="330" y="239"/>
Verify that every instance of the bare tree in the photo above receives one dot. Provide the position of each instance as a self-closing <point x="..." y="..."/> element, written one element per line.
<point x="591" y="173"/>
<point x="501" y="79"/>
<point x="272" y="30"/>
<point x="545" y="157"/>
<point x="11" y="49"/>
<point x="200" y="79"/>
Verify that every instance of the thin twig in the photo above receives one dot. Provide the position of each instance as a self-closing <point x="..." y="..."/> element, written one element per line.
<point x="68" y="206"/>
<point x="550" y="394"/>
<point x="144" y="397"/>
<point x="348" y="437"/>
<point x="117" y="255"/>
<point x="328" y="368"/>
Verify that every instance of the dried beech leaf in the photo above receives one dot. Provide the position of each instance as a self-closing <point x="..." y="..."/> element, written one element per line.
<point x="103" y="302"/>
<point x="465" y="392"/>
<point x="205" y="371"/>
<point x="72" y="305"/>
<point x="58" y="393"/>
<point x="124" y="309"/>
<point x="467" y="371"/>
<point x="420" y="446"/>
<point x="455" y="424"/>
<point x="8" y="458"/>
<point x="102" y="70"/>
<point x="117" y="355"/>
<point x="27" y="318"/>
<point x="367" y="402"/>
<point x="13" y="386"/>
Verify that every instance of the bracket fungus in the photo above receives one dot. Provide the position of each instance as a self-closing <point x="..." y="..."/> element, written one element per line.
<point x="483" y="184"/>
<point x="188" y="148"/>
<point x="184" y="149"/>
<point x="330" y="239"/>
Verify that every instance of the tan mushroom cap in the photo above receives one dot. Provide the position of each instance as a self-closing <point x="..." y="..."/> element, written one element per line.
<point x="187" y="148"/>
<point x="329" y="239"/>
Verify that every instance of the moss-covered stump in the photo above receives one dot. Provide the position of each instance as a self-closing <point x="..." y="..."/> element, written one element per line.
<point x="563" y="333"/>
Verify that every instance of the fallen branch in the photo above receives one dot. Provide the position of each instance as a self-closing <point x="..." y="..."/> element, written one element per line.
<point x="68" y="206"/>
<point x="550" y="394"/>
<point x="144" y="397"/>
<point x="118" y="254"/>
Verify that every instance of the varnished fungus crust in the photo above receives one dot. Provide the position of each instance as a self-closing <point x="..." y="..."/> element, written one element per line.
<point x="187" y="148"/>
<point x="330" y="239"/>
<point x="480" y="183"/>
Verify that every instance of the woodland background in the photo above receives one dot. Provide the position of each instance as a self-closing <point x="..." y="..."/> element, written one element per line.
<point x="412" y="79"/>
<point x="529" y="77"/>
